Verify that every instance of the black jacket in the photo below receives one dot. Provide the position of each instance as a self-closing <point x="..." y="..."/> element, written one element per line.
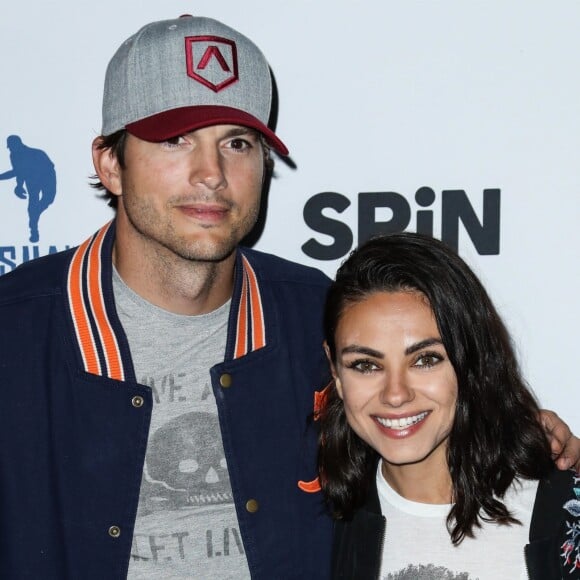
<point x="552" y="553"/>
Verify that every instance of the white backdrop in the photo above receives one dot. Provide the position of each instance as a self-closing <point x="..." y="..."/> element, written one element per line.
<point x="376" y="96"/>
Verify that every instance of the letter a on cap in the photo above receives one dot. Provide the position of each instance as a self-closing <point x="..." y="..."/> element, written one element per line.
<point x="212" y="61"/>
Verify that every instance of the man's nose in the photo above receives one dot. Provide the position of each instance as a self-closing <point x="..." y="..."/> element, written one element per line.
<point x="207" y="167"/>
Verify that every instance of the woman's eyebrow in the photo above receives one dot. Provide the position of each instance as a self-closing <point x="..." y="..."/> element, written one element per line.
<point x="358" y="349"/>
<point x="366" y="350"/>
<point x="422" y="344"/>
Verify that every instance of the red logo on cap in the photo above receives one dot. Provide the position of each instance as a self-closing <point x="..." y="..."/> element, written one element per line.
<point x="212" y="61"/>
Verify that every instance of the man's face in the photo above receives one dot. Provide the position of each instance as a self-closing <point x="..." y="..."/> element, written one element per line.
<point x="196" y="195"/>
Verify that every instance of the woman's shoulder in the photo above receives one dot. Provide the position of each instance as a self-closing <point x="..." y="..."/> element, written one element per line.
<point x="557" y="500"/>
<point x="560" y="485"/>
<point x="555" y="528"/>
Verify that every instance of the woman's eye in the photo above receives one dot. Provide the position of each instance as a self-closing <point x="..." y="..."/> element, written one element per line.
<point x="363" y="366"/>
<point x="428" y="360"/>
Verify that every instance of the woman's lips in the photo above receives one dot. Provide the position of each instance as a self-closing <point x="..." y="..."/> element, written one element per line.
<point x="399" y="427"/>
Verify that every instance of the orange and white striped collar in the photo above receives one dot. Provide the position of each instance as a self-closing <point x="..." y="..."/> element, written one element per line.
<point x="101" y="342"/>
<point x="250" y="332"/>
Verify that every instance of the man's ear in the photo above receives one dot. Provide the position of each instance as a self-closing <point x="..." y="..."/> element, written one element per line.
<point x="333" y="372"/>
<point x="107" y="167"/>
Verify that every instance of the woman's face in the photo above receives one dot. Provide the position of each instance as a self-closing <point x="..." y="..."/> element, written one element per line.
<point x="395" y="379"/>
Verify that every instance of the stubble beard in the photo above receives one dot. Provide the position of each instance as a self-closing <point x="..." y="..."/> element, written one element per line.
<point x="166" y="241"/>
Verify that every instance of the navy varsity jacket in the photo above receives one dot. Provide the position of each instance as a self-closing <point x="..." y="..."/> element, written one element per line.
<point x="74" y="422"/>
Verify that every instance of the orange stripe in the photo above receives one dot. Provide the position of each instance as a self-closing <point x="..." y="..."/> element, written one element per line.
<point x="242" y="325"/>
<point x="96" y="299"/>
<point x="320" y="400"/>
<point x="258" y="330"/>
<point x="79" y="314"/>
<point x="310" y="486"/>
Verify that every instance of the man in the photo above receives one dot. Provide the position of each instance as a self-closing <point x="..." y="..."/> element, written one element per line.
<point x="159" y="381"/>
<point x="31" y="168"/>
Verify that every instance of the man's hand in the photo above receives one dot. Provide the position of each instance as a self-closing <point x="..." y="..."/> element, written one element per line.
<point x="20" y="192"/>
<point x="565" y="446"/>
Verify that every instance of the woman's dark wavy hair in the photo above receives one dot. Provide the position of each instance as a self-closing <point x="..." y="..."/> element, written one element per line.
<point x="495" y="436"/>
<point x="116" y="143"/>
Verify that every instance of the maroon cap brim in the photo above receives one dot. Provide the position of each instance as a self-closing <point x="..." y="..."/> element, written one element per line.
<point x="179" y="121"/>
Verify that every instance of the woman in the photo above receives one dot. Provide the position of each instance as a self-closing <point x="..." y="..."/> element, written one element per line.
<point x="431" y="455"/>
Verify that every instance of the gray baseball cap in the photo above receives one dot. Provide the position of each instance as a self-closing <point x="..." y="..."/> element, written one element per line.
<point x="180" y="75"/>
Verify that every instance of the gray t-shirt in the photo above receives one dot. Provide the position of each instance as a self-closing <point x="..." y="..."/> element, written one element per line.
<point x="186" y="522"/>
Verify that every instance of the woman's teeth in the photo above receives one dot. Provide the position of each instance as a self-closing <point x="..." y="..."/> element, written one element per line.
<point x="403" y="422"/>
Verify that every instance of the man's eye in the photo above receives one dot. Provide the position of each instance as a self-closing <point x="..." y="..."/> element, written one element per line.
<point x="240" y="144"/>
<point x="174" y="141"/>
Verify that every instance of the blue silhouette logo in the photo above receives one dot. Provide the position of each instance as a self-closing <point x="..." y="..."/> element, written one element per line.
<point x="35" y="179"/>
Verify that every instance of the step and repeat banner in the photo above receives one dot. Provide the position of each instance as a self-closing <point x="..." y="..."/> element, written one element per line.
<point x="460" y="119"/>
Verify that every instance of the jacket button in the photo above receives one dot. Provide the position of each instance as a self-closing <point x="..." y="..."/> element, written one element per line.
<point x="252" y="506"/>
<point x="137" y="401"/>
<point x="114" y="531"/>
<point x="226" y="380"/>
